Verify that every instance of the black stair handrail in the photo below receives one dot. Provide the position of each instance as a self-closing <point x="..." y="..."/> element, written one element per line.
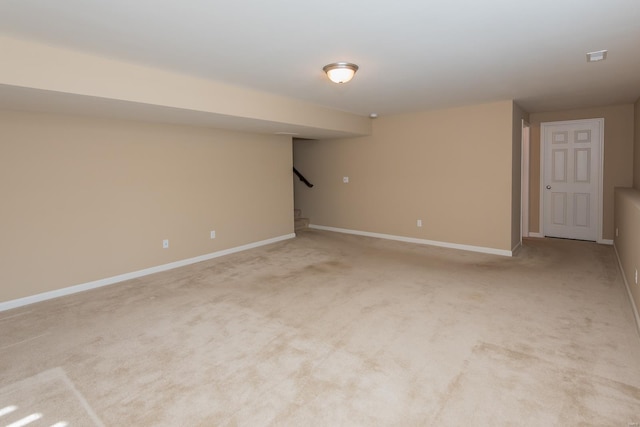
<point x="302" y="178"/>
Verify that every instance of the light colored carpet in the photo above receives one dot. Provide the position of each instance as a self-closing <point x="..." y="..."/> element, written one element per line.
<point x="48" y="398"/>
<point x="337" y="330"/>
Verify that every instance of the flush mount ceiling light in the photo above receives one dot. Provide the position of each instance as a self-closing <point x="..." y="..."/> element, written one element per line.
<point x="340" y="72"/>
<point x="596" y="56"/>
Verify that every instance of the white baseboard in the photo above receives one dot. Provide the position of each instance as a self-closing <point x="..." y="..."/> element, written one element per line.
<point x="8" y="305"/>
<point x="481" y="249"/>
<point x="516" y="249"/>
<point x="538" y="235"/>
<point x="629" y="294"/>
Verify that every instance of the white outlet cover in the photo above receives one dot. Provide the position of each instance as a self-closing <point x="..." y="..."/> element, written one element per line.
<point x="419" y="223"/>
<point x="345" y="179"/>
<point x="165" y="243"/>
<point x="213" y="234"/>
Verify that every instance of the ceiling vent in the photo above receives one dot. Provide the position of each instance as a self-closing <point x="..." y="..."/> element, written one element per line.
<point x="596" y="56"/>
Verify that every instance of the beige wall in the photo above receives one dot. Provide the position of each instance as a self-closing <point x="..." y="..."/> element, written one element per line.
<point x="618" y="155"/>
<point x="627" y="220"/>
<point x="516" y="174"/>
<point x="86" y="199"/>
<point x="451" y="168"/>
<point x="636" y="146"/>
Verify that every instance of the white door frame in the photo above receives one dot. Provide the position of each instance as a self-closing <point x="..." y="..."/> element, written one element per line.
<point x="524" y="182"/>
<point x="600" y="178"/>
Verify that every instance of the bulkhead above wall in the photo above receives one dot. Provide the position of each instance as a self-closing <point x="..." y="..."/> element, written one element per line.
<point x="80" y="83"/>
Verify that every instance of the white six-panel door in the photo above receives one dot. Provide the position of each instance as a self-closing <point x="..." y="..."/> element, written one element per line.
<point x="571" y="181"/>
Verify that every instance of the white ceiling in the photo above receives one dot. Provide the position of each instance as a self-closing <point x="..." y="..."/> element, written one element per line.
<point x="413" y="54"/>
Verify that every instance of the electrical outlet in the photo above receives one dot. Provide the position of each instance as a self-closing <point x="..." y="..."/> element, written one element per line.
<point x="419" y="223"/>
<point x="345" y="179"/>
<point x="165" y="243"/>
<point x="213" y="234"/>
<point x="636" y="276"/>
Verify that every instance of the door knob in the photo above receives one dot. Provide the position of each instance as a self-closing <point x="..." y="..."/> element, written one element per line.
<point x="548" y="187"/>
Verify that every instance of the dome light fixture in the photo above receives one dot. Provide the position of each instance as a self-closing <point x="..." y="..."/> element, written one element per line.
<point x="340" y="72"/>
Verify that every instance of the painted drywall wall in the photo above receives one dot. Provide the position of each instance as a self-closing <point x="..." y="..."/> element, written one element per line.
<point x="618" y="156"/>
<point x="451" y="168"/>
<point x="627" y="221"/>
<point x="627" y="242"/>
<point x="516" y="174"/>
<point x="636" y="146"/>
<point x="85" y="199"/>
<point x="75" y="72"/>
